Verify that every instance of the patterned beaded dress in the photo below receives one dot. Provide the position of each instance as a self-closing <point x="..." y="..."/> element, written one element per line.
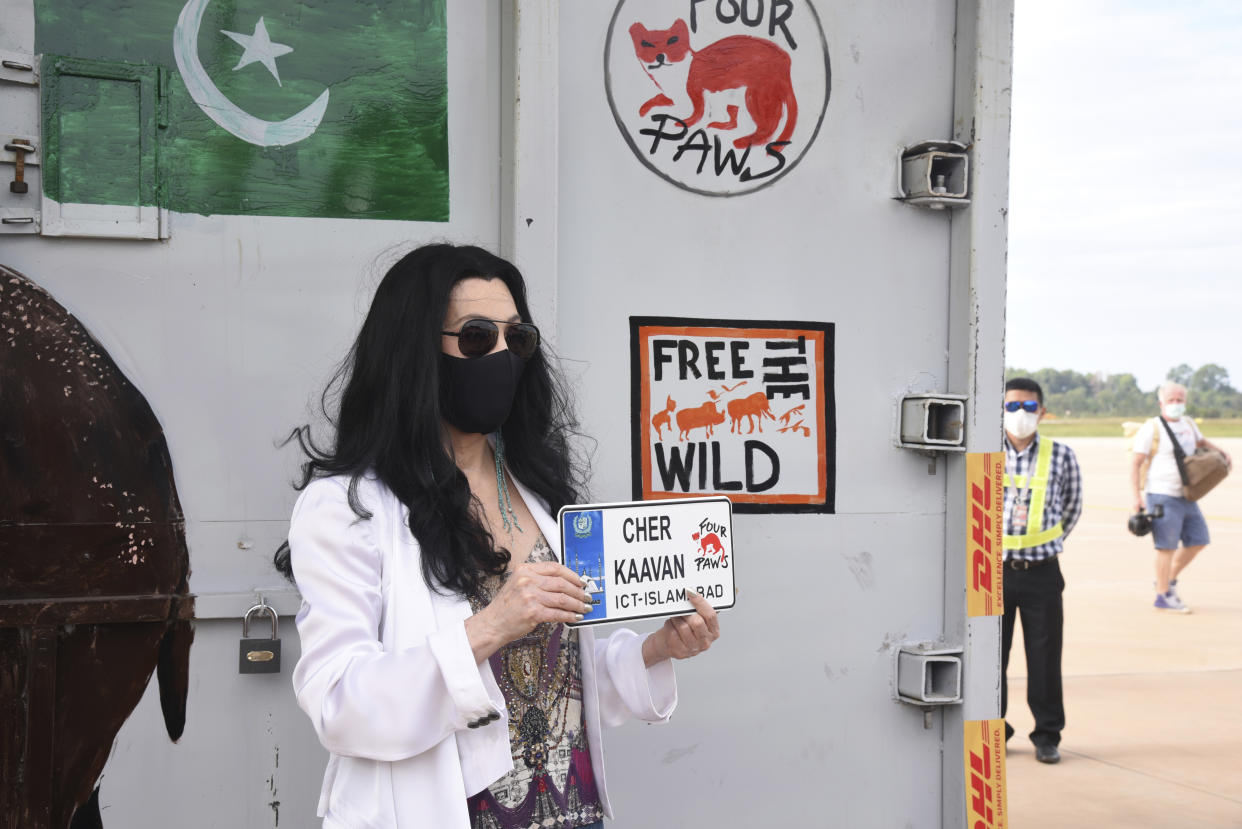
<point x="540" y="675"/>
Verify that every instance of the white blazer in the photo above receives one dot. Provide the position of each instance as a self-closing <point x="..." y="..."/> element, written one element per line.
<point x="389" y="679"/>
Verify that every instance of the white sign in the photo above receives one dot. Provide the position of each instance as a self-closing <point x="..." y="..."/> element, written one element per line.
<point x="639" y="558"/>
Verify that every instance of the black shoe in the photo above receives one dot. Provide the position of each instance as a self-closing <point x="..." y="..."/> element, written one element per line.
<point x="1047" y="753"/>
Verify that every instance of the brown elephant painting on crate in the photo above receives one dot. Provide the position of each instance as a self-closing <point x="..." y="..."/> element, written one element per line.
<point x="94" y="567"/>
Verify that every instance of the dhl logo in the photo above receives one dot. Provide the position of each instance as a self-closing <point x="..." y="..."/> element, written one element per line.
<point x="982" y="805"/>
<point x="985" y="775"/>
<point x="985" y="499"/>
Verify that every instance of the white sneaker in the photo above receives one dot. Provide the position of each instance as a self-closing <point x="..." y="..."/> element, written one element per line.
<point x="1168" y="601"/>
<point x="1172" y="588"/>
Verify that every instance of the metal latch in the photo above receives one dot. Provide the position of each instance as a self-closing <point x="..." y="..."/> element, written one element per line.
<point x="18" y="67"/>
<point x="18" y="220"/>
<point x="932" y="422"/>
<point x="928" y="675"/>
<point x="22" y="151"/>
<point x="934" y="174"/>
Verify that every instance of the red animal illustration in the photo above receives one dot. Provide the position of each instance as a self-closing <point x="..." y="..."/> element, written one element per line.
<point x="752" y="407"/>
<point x="705" y="416"/>
<point x="709" y="545"/>
<point x="787" y="416"/>
<point x="714" y="395"/>
<point x="664" y="420"/>
<point x="796" y="428"/>
<point x="735" y="62"/>
<point x="797" y="425"/>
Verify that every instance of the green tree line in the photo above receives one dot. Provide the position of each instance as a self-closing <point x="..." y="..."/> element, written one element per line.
<point x="1069" y="393"/>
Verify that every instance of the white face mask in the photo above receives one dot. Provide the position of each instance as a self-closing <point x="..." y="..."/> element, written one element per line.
<point x="1021" y="424"/>
<point x="1174" y="410"/>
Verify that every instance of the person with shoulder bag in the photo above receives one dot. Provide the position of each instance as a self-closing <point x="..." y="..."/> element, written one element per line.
<point x="1173" y="487"/>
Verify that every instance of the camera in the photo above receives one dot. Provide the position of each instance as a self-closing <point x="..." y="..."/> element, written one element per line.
<point x="1140" y="523"/>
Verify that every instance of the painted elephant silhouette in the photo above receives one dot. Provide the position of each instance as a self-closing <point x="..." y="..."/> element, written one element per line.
<point x="754" y="407"/>
<point x="93" y="562"/>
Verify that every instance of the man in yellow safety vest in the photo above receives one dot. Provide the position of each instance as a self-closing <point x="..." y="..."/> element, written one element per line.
<point x="1043" y="499"/>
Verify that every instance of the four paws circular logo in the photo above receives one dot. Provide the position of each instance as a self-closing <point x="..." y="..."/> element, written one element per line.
<point x="719" y="97"/>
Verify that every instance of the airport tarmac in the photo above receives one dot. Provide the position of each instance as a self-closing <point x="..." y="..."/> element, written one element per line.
<point x="1153" y="700"/>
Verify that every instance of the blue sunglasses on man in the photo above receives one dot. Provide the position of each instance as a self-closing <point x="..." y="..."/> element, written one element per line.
<point x="1031" y="406"/>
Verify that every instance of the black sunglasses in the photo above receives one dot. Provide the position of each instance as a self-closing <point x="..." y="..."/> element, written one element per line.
<point x="478" y="337"/>
<point x="1031" y="406"/>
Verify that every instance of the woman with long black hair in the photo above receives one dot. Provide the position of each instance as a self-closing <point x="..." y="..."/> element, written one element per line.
<point x="437" y="667"/>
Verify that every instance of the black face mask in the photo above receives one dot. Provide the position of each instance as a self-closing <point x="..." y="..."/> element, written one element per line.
<point x="476" y="394"/>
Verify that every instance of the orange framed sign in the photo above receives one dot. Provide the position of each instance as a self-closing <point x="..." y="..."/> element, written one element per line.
<point x="741" y="408"/>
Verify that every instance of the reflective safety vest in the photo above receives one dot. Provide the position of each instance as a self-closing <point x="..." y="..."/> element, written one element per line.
<point x="1038" y="484"/>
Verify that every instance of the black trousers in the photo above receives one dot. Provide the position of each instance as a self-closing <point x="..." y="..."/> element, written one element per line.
<point x="1036" y="595"/>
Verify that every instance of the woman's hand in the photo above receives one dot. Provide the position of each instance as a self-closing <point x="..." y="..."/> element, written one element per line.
<point x="683" y="636"/>
<point x="534" y="593"/>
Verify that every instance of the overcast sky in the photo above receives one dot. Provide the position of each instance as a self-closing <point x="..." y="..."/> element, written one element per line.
<point x="1125" y="222"/>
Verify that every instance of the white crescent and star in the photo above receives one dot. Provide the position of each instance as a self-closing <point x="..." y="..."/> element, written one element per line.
<point x="258" y="48"/>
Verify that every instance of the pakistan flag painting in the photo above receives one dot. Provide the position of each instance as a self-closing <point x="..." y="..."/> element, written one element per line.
<point x="308" y="108"/>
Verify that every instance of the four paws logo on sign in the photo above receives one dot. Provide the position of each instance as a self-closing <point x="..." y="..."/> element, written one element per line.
<point x="719" y="97"/>
<point x="711" y="553"/>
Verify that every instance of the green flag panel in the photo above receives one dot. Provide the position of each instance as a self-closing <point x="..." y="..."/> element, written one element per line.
<point x="309" y="109"/>
<point x="106" y="168"/>
<point x="99" y="131"/>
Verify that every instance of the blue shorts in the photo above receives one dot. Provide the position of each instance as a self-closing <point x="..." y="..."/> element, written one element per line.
<point x="1182" y="520"/>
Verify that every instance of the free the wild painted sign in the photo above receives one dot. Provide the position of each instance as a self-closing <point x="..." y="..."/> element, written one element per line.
<point x="734" y="407"/>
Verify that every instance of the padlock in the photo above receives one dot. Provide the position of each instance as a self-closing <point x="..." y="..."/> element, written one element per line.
<point x="259" y="656"/>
